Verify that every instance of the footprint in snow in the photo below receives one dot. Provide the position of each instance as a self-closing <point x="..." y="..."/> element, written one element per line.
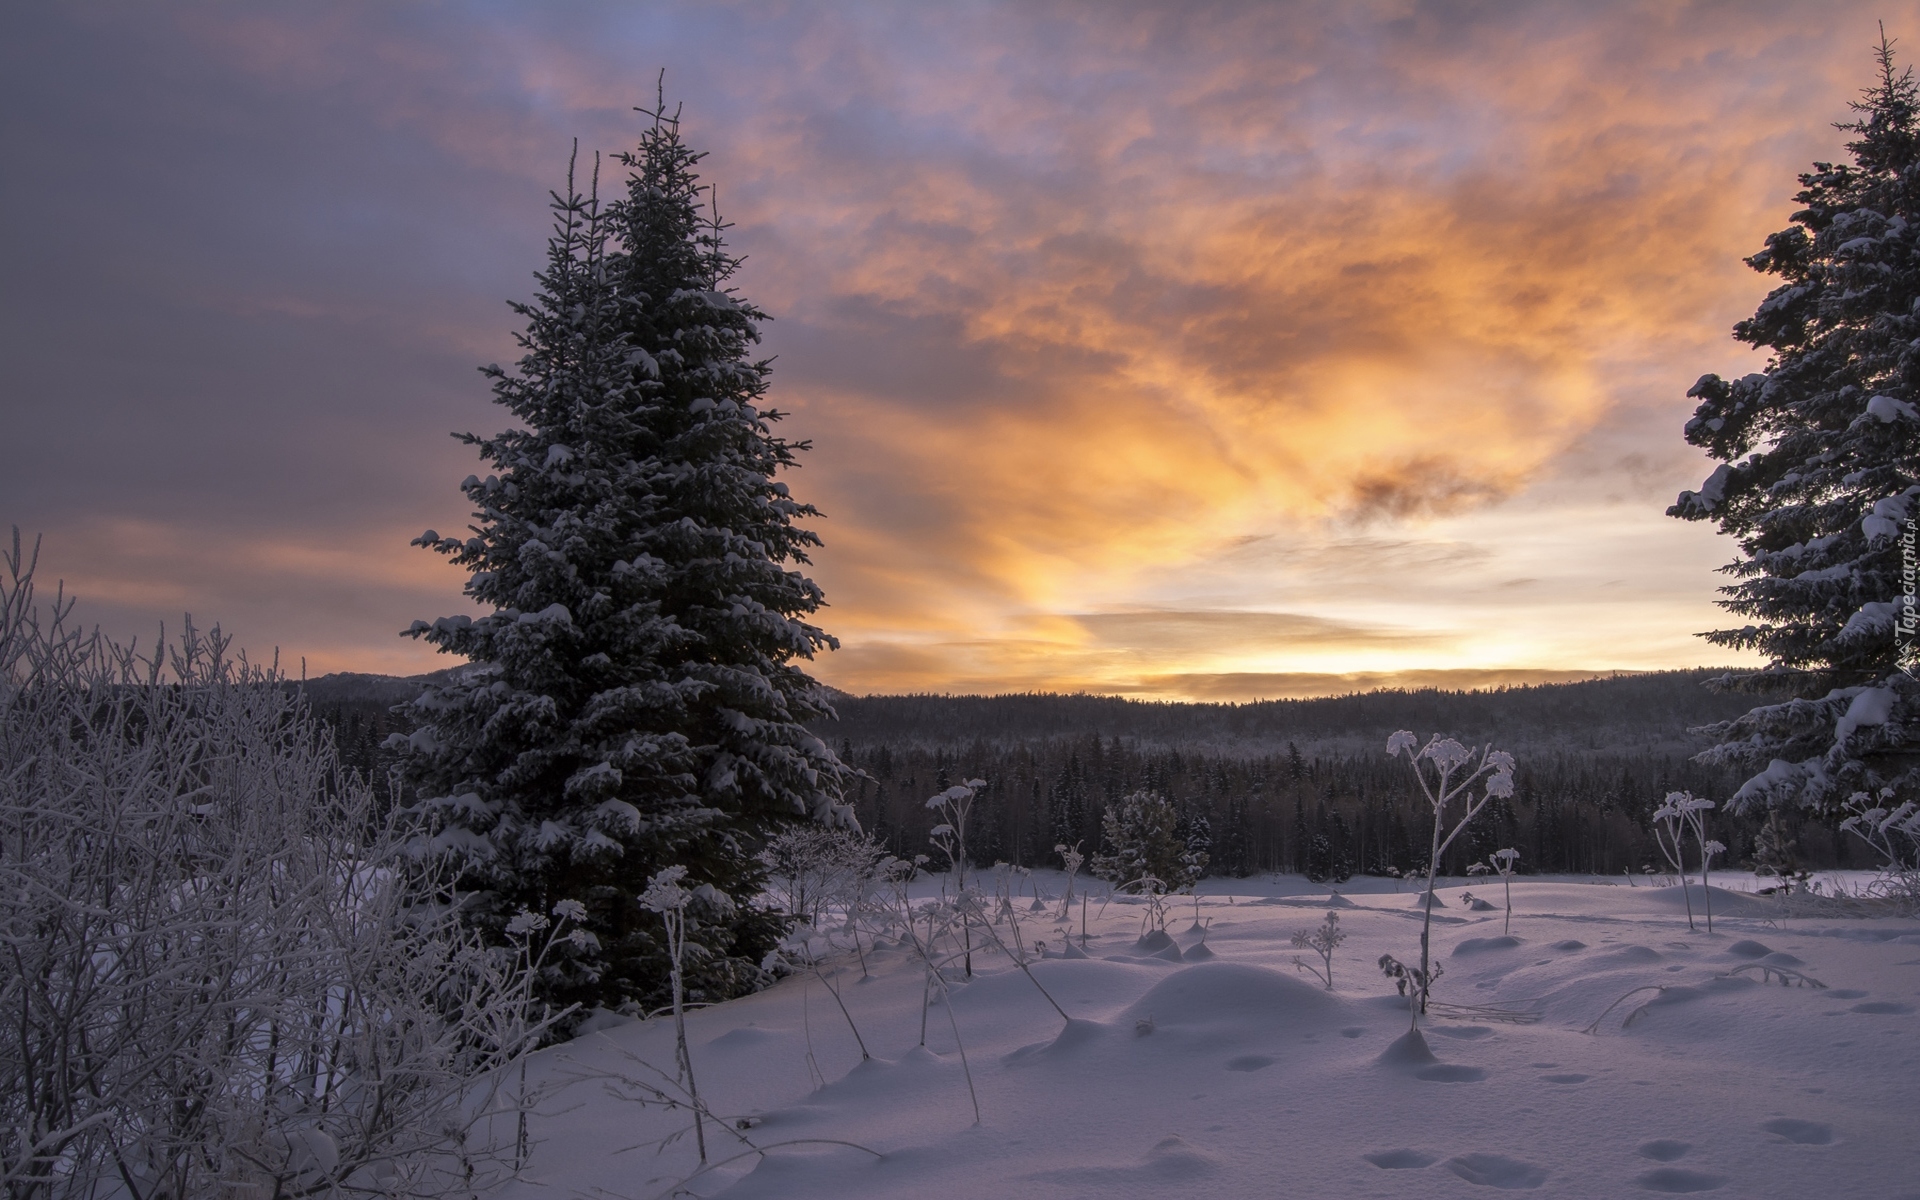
<point x="1881" y="1006"/>
<point x="1566" y="1078"/>
<point x="1663" y="1149"/>
<point x="1249" y="1062"/>
<point x="1451" y="1073"/>
<point x="1679" y="1179"/>
<point x="1401" y="1160"/>
<point x="1497" y="1170"/>
<point x="1800" y="1133"/>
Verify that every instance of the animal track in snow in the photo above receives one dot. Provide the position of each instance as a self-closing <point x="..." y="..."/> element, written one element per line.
<point x="1881" y="1006"/>
<point x="1663" y="1149"/>
<point x="1678" y="1179"/>
<point x="1401" y="1160"/>
<point x="1249" y="1062"/>
<point x="1497" y="1170"/>
<point x="1451" y="1073"/>
<point x="1800" y="1133"/>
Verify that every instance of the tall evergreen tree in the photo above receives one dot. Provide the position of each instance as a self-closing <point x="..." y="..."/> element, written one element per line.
<point x="635" y="698"/>
<point x="1820" y="475"/>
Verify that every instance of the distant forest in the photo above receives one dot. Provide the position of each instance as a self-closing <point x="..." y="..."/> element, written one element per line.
<point x="1300" y="786"/>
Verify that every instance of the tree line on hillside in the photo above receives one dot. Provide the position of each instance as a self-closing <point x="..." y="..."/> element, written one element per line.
<point x="1055" y="764"/>
<point x="1655" y="708"/>
<point x="1327" y="816"/>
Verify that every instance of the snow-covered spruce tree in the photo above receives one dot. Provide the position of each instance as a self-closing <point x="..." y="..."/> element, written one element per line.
<point x="1140" y="843"/>
<point x="634" y="700"/>
<point x="1820" y="476"/>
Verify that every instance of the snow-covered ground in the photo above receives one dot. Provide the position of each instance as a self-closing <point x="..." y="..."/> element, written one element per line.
<point x="1224" y="1071"/>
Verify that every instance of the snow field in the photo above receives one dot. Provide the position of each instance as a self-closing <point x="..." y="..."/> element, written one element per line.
<point x="1220" y="1070"/>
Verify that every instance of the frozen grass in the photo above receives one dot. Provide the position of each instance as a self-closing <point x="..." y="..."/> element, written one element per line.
<point x="1229" y="1074"/>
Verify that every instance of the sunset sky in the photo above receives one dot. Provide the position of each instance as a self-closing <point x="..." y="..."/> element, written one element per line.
<point x="1188" y="351"/>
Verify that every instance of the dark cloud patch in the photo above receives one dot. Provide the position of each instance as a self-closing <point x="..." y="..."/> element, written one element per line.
<point x="861" y="346"/>
<point x="1422" y="487"/>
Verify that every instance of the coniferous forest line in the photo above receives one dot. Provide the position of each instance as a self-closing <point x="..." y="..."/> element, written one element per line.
<point x="1290" y="785"/>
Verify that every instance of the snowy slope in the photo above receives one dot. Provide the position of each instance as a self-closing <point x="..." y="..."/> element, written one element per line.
<point x="1226" y="1072"/>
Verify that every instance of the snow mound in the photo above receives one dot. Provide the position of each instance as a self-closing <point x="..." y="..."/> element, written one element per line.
<point x="1153" y="943"/>
<point x="1725" y="903"/>
<point x="1231" y="997"/>
<point x="1077" y="1035"/>
<point x="1410" y="1049"/>
<point x="1626" y="956"/>
<point x="1482" y="945"/>
<point x="1172" y="1160"/>
<point x="1748" y="948"/>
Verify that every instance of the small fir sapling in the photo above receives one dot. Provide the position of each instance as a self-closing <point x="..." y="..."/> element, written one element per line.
<point x="1503" y="862"/>
<point x="1141" y="839"/>
<point x="1323" y="941"/>
<point x="1493" y="770"/>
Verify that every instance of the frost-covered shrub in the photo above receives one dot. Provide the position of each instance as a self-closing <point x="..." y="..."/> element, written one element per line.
<point x="1504" y="861"/>
<point x="215" y="984"/>
<point x="1892" y="831"/>
<point x="1680" y="814"/>
<point x="1322" y="941"/>
<point x="813" y="867"/>
<point x="1449" y="776"/>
